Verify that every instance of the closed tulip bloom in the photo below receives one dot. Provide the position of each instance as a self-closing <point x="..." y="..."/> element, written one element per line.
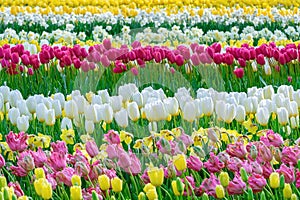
<point x="240" y="114"/>
<point x="268" y="92"/>
<point x="121" y="118"/>
<point x="287" y="191"/>
<point x="294" y="197"/>
<point x="39" y="173"/>
<point x="274" y="180"/>
<point x="66" y="123"/>
<point x="57" y="108"/>
<point x="75" y="193"/>
<point x="50" y="117"/>
<point x="138" y="98"/>
<point x="80" y="102"/>
<point x="90" y="113"/>
<point x="116" y="103"/>
<point x="76" y="180"/>
<point x="230" y="112"/>
<point x="116" y="184"/>
<point x="107" y="113"/>
<point x="5" y="90"/>
<point x="71" y="109"/>
<point x="104" y="182"/>
<point x="155" y="111"/>
<point x="180" y="162"/>
<point x="262" y="116"/>
<point x="133" y="111"/>
<point x="14" y="96"/>
<point x="13" y="115"/>
<point x="171" y="105"/>
<point x="207" y="106"/>
<point x="21" y="105"/>
<point x="282" y="116"/>
<point x="23" y="123"/>
<point x="189" y="111"/>
<point x="177" y="187"/>
<point x="152" y="194"/>
<point x="268" y="70"/>
<point x="92" y="148"/>
<point x="156" y="176"/>
<point x="61" y="98"/>
<point x="294" y="122"/>
<point x="127" y="90"/>
<point x="89" y="126"/>
<point x="220" y="193"/>
<point x="224" y="179"/>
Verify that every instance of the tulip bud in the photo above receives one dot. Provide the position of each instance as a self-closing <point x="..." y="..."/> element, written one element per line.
<point x="282" y="116"/>
<point x="23" y="123"/>
<point x="277" y="155"/>
<point x="117" y="184"/>
<point x="205" y="196"/>
<point x="262" y="195"/>
<point x="181" y="146"/>
<point x="220" y="193"/>
<point x="6" y="193"/>
<point x="39" y="173"/>
<point x="282" y="181"/>
<point x="224" y="179"/>
<point x="244" y="174"/>
<point x="50" y="117"/>
<point x="89" y="126"/>
<point x="104" y="182"/>
<point x="253" y="152"/>
<point x="95" y="195"/>
<point x="133" y="111"/>
<point x="177" y="187"/>
<point x="274" y="180"/>
<point x="13" y="115"/>
<point x="76" y="180"/>
<point x="3" y="182"/>
<point x="142" y="196"/>
<point x="250" y="194"/>
<point x="212" y="135"/>
<point x="294" y="197"/>
<point x="287" y="191"/>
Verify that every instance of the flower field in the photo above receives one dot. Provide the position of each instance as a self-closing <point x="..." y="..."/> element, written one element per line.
<point x="146" y="100"/>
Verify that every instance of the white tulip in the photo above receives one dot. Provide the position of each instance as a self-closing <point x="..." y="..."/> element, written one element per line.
<point x="268" y="92"/>
<point x="116" y="103"/>
<point x="1" y="101"/>
<point x="207" y="106"/>
<point x="251" y="91"/>
<point x="294" y="122"/>
<point x="5" y="90"/>
<point x="240" y="113"/>
<point x="50" y="117"/>
<point x="121" y="118"/>
<point x="189" y="111"/>
<point x="61" y="98"/>
<point x="198" y="107"/>
<point x="41" y="111"/>
<point x="90" y="113"/>
<point x="156" y="111"/>
<point x="138" y="98"/>
<point x="13" y="115"/>
<point x="133" y="111"/>
<point x="75" y="93"/>
<point x="39" y="99"/>
<point x="127" y="90"/>
<point x="48" y="102"/>
<point x="220" y="110"/>
<point x="71" y="109"/>
<point x="66" y="123"/>
<point x="267" y="68"/>
<point x="104" y="96"/>
<point x="80" y="102"/>
<point x="31" y="104"/>
<point x="21" y="104"/>
<point x="96" y="99"/>
<point x="262" y="116"/>
<point x="248" y="105"/>
<point x="14" y="96"/>
<point x="230" y="112"/>
<point x="171" y="105"/>
<point x="23" y="123"/>
<point x="107" y="113"/>
<point x="89" y="126"/>
<point x="283" y="116"/>
<point x="57" y="108"/>
<point x="254" y="66"/>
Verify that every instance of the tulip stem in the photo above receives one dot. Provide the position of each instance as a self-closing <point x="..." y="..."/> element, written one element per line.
<point x="159" y="193"/>
<point x="166" y="192"/>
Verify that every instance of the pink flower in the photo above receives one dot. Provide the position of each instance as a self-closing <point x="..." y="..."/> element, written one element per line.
<point x="52" y="181"/>
<point x="236" y="186"/>
<point x="289" y="79"/>
<point x="186" y="139"/>
<point x="256" y="168"/>
<point x="179" y="60"/>
<point x="265" y="153"/>
<point x="134" y="71"/>
<point x="30" y="71"/>
<point x="239" y="72"/>
<point x="145" y="178"/>
<point x="95" y="171"/>
<point x="92" y="148"/>
<point x="2" y="161"/>
<point x="195" y="59"/>
<point x="298" y="178"/>
<point x="112" y="137"/>
<point x="213" y="164"/>
<point x="65" y="176"/>
<point x="105" y="61"/>
<point x="18" y="171"/>
<point x="234" y="164"/>
<point x="57" y="161"/>
<point x="209" y="184"/>
<point x="114" y="150"/>
<point x="288" y="172"/>
<point x="107" y="44"/>
<point x="39" y="157"/>
<point x="124" y="161"/>
<point x="26" y="161"/>
<point x="267" y="169"/>
<point x="290" y="155"/>
<point x="82" y="169"/>
<point x="194" y="163"/>
<point x="17" y="141"/>
<point x="163" y="146"/>
<point x="260" y="59"/>
<point x="59" y="146"/>
<point x="257" y="182"/>
<point x="15" y="58"/>
<point x="236" y="150"/>
<point x="17" y="188"/>
<point x="272" y="138"/>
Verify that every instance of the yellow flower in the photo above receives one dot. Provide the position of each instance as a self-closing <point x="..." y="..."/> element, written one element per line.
<point x="177" y="189"/>
<point x="294" y="197"/>
<point x="148" y="186"/>
<point x="89" y="96"/>
<point x="156" y="176"/>
<point x="287" y="191"/>
<point x="224" y="179"/>
<point x="104" y="182"/>
<point x="47" y="191"/>
<point x="168" y="135"/>
<point x="180" y="162"/>
<point x="274" y="180"/>
<point x="68" y="136"/>
<point x="75" y="193"/>
<point x="23" y="198"/>
<point x="76" y="180"/>
<point x="3" y="182"/>
<point x="42" y="141"/>
<point x="125" y="136"/>
<point x="38" y="185"/>
<point x="138" y="144"/>
<point x="142" y="196"/>
<point x="148" y="141"/>
<point x="152" y="194"/>
<point x="220" y="193"/>
<point x="78" y="146"/>
<point x="39" y="173"/>
<point x="252" y="128"/>
<point x="116" y="184"/>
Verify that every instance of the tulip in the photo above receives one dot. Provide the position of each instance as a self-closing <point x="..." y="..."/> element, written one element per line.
<point x="240" y="114"/>
<point x="189" y="111"/>
<point x="75" y="193"/>
<point x="257" y="182"/>
<point x="156" y="176"/>
<point x="220" y="193"/>
<point x="133" y="111"/>
<point x="23" y="123"/>
<point x="116" y="184"/>
<point x="262" y="116"/>
<point x="47" y="191"/>
<point x="236" y="186"/>
<point x="76" y="180"/>
<point x="104" y="182"/>
<point x="180" y="162"/>
<point x="274" y="180"/>
<point x="177" y="187"/>
<point x="121" y="118"/>
<point x="92" y="148"/>
<point x="224" y="179"/>
<point x="171" y="105"/>
<point x="194" y="163"/>
<point x="287" y="191"/>
<point x="50" y="117"/>
<point x="282" y="116"/>
<point x="155" y="111"/>
<point x="39" y="173"/>
<point x="239" y="72"/>
<point x="17" y="142"/>
<point x="13" y="115"/>
<point x="152" y="194"/>
<point x="57" y="108"/>
<point x="66" y="123"/>
<point x="89" y="126"/>
<point x="71" y="109"/>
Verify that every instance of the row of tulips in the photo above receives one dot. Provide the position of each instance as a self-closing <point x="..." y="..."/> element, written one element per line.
<point x="241" y="67"/>
<point x="169" y="164"/>
<point x="142" y="112"/>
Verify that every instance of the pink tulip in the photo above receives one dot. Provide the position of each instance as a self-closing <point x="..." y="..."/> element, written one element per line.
<point x="236" y="186"/>
<point x="289" y="79"/>
<point x="17" y="188"/>
<point x="26" y="161"/>
<point x="112" y="137"/>
<point x="195" y="59"/>
<point x="290" y="155"/>
<point x="124" y="161"/>
<point x="7" y="54"/>
<point x="186" y="139"/>
<point x="82" y="169"/>
<point x="272" y="138"/>
<point x="30" y="71"/>
<point x="257" y="182"/>
<point x="224" y="157"/>
<point x="298" y="178"/>
<point x="18" y="171"/>
<point x="135" y="167"/>
<point x="234" y="164"/>
<point x="267" y="170"/>
<point x="84" y="53"/>
<point x="260" y="59"/>
<point x="95" y="170"/>
<point x="114" y="150"/>
<point x="179" y="60"/>
<point x="15" y="58"/>
<point x="39" y="157"/>
<point x="288" y="172"/>
<point x="282" y="59"/>
<point x="237" y="150"/>
<point x="92" y="148"/>
<point x="107" y="44"/>
<point x="57" y="161"/>
<point x="85" y="66"/>
<point x="194" y="46"/>
<point x="136" y="44"/>
<point x="77" y="63"/>
<point x="51" y="180"/>
<point x="265" y="153"/>
<point x="1" y="53"/>
<point x="194" y="163"/>
<point x="2" y="161"/>
<point x="242" y="62"/>
<point x="218" y="58"/>
<point x="141" y="63"/>
<point x="60" y="147"/>
<point x="228" y="59"/>
<point x="256" y="168"/>
<point x="213" y="164"/>
<point x="209" y="184"/>
<point x="134" y="71"/>
<point x="65" y="176"/>
<point x="17" y="141"/>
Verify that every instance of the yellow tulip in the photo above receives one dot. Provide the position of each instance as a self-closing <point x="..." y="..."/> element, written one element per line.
<point x="152" y="194"/>
<point x="116" y="184"/>
<point x="39" y="173"/>
<point x="104" y="182"/>
<point x="23" y="198"/>
<point x="274" y="180"/>
<point x="76" y="180"/>
<point x="142" y="196"/>
<point x="75" y="193"/>
<point x="47" y="191"/>
<point x="156" y="176"/>
<point x="148" y="186"/>
<point x="177" y="187"/>
<point x="220" y="192"/>
<point x="224" y="179"/>
<point x="287" y="191"/>
<point x="180" y="162"/>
